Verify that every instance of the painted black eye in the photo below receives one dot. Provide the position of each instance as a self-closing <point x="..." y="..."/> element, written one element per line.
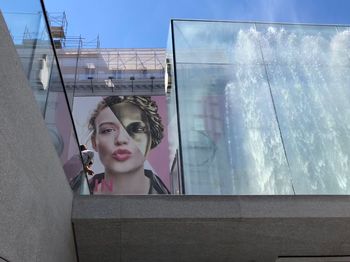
<point x="136" y="128"/>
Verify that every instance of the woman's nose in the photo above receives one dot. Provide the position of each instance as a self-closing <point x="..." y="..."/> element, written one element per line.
<point x="122" y="137"/>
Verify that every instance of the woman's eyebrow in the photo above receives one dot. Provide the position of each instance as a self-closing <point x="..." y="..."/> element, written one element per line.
<point x="107" y="123"/>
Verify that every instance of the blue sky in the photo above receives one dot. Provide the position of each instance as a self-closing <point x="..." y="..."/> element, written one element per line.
<point x="145" y="23"/>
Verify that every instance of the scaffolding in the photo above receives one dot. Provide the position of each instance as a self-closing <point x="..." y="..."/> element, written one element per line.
<point x="100" y="71"/>
<point x="58" y="27"/>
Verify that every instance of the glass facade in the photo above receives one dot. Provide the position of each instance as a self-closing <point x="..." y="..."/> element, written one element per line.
<point x="30" y="32"/>
<point x="261" y="108"/>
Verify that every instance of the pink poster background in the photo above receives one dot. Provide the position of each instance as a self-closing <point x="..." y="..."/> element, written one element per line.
<point x="159" y="156"/>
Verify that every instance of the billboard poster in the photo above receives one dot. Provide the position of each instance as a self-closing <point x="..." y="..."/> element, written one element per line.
<point x="128" y="137"/>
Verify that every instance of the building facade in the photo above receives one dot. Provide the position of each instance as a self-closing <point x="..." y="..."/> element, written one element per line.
<point x="253" y="148"/>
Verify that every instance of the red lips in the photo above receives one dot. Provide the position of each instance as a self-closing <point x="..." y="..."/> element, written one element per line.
<point x="121" y="154"/>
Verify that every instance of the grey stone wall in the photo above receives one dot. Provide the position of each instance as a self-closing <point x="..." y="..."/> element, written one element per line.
<point x="185" y="228"/>
<point x="35" y="198"/>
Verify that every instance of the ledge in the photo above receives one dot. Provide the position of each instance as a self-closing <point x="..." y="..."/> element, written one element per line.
<point x="210" y="228"/>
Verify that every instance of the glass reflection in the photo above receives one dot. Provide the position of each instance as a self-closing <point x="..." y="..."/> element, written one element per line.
<point x="30" y="33"/>
<point x="271" y="117"/>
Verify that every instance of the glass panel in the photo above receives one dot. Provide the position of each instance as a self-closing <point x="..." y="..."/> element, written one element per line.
<point x="229" y="134"/>
<point x="217" y="139"/>
<point x="313" y="109"/>
<point x="230" y="138"/>
<point x="309" y="76"/>
<point x="60" y="126"/>
<point x="29" y="31"/>
<point x="174" y="156"/>
<point x="34" y="49"/>
<point x="297" y="44"/>
<point x="341" y="46"/>
<point x="213" y="42"/>
<point x="265" y="109"/>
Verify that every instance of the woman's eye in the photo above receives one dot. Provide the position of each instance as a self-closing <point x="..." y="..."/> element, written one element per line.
<point x="107" y="130"/>
<point x="136" y="128"/>
<point x="140" y="129"/>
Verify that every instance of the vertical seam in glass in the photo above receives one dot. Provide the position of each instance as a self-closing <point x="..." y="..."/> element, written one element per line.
<point x="60" y="75"/>
<point x="274" y="109"/>
<point x="177" y="109"/>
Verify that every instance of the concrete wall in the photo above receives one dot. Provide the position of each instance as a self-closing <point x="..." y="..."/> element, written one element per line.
<point x="173" y="228"/>
<point x="35" y="198"/>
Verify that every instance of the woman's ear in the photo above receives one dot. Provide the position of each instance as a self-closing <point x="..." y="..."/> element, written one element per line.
<point x="93" y="142"/>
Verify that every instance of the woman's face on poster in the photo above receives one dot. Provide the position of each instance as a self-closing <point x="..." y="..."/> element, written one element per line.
<point x="122" y="138"/>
